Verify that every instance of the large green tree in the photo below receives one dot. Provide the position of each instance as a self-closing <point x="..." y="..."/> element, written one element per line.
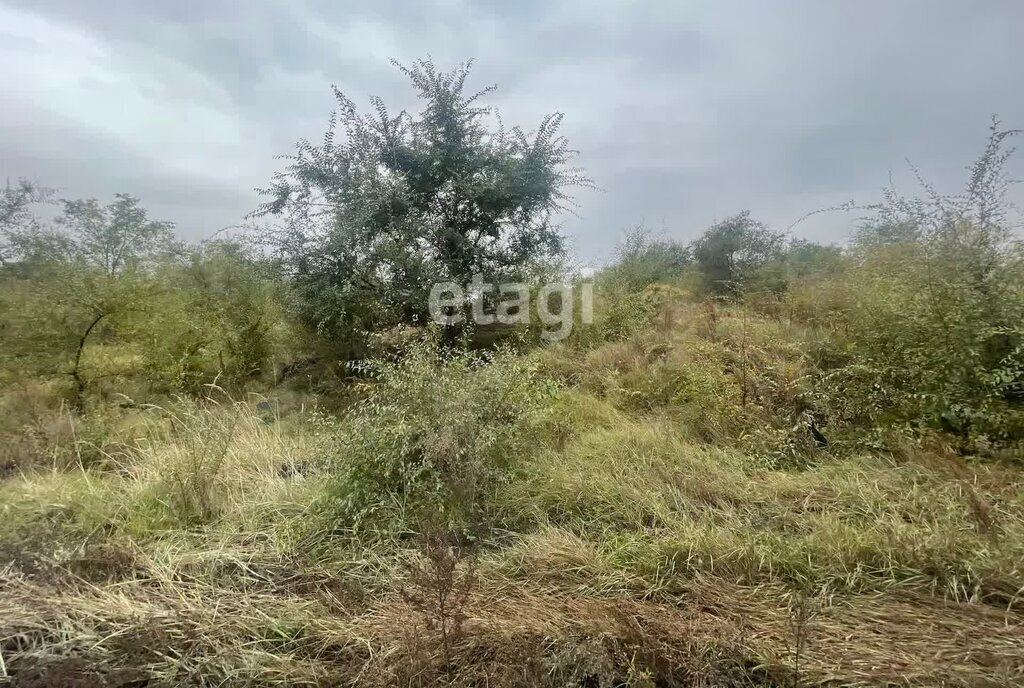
<point x="372" y="218"/>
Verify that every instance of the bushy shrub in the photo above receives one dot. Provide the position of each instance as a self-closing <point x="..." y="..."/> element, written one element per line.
<point x="940" y="349"/>
<point x="432" y="434"/>
<point x="224" y="318"/>
<point x="936" y="326"/>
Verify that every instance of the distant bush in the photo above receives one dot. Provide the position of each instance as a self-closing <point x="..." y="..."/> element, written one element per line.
<point x="619" y="314"/>
<point x="219" y="315"/>
<point x="730" y="253"/>
<point x="642" y="260"/>
<point x="83" y="310"/>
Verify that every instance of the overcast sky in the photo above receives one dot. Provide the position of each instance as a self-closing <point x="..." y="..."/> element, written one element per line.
<point x="683" y="112"/>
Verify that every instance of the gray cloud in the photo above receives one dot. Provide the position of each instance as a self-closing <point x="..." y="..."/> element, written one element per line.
<point x="683" y="113"/>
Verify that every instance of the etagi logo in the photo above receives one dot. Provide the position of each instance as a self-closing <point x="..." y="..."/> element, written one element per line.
<point x="555" y="304"/>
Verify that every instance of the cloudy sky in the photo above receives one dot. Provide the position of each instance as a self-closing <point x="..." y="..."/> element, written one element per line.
<point x="683" y="112"/>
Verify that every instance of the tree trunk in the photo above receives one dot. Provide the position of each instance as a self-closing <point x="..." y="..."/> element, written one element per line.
<point x="78" y="400"/>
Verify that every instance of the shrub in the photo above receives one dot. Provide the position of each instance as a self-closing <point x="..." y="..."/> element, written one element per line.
<point x="222" y="319"/>
<point x="936" y="324"/>
<point x="642" y="260"/>
<point x="432" y="433"/>
<point x="730" y="253"/>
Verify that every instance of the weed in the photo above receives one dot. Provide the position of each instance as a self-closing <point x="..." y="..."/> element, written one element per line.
<point x="439" y="586"/>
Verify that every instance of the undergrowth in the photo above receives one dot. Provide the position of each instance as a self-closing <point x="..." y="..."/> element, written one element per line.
<point x="579" y="479"/>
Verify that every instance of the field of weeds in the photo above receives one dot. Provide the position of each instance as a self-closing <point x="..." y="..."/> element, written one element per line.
<point x="635" y="512"/>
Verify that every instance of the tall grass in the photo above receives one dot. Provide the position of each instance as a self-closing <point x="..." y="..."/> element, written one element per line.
<point x="643" y="504"/>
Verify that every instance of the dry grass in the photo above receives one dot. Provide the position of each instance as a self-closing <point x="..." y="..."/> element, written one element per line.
<point x="171" y="632"/>
<point x="638" y="542"/>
